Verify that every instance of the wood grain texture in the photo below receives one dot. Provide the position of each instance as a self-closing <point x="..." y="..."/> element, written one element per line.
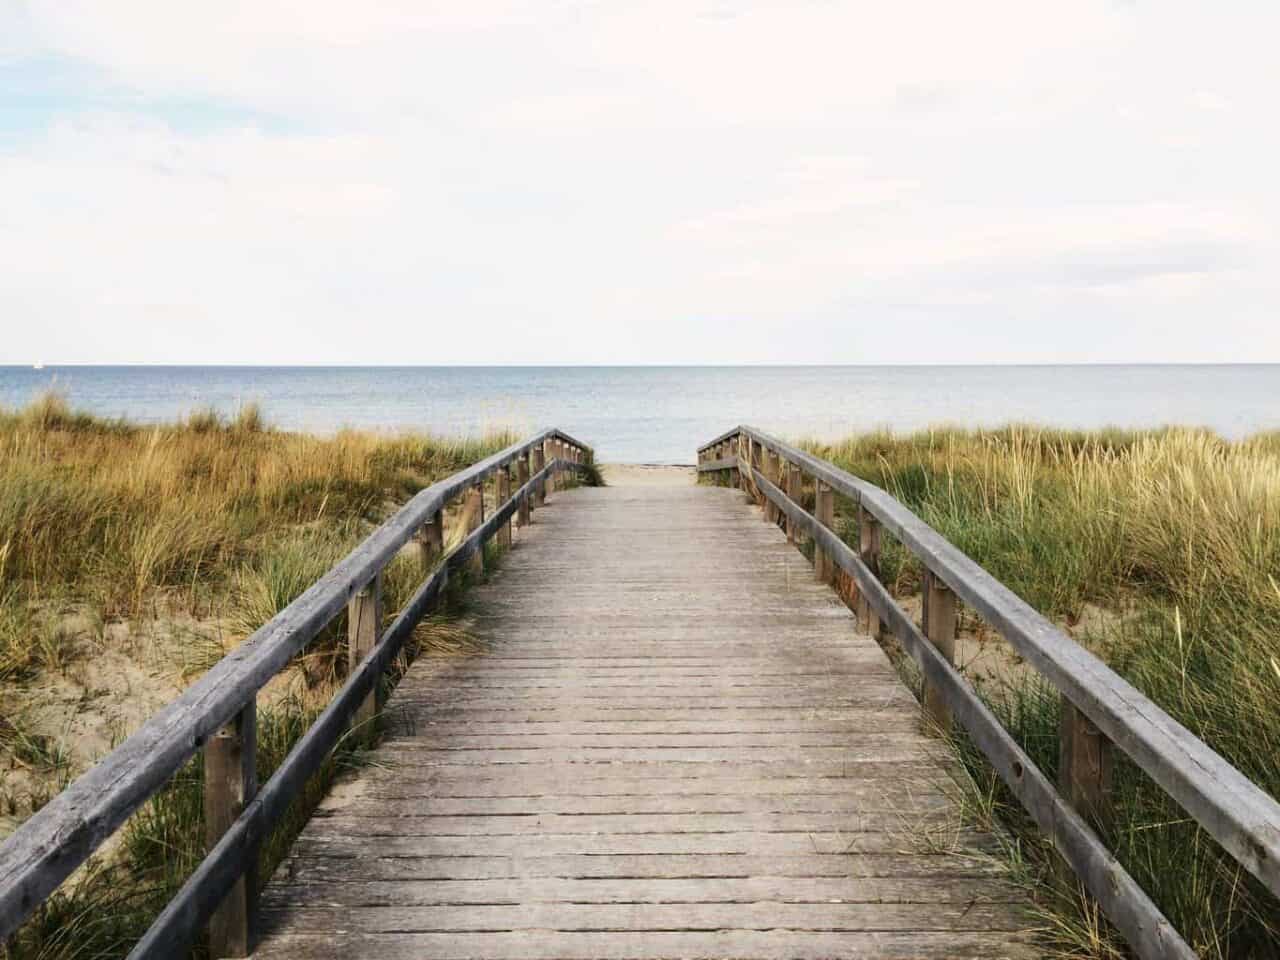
<point x="673" y="743"/>
<point x="230" y="783"/>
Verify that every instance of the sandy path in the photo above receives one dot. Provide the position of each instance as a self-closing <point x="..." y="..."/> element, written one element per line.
<point x="646" y="475"/>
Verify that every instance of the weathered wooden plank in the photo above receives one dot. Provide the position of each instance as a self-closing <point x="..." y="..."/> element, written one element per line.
<point x="381" y="821"/>
<point x="933" y="868"/>
<point x="545" y="772"/>
<point x="652" y="945"/>
<point x="844" y="843"/>
<point x="927" y="890"/>
<point x="646" y="917"/>
<point x="855" y="780"/>
<point x="522" y="740"/>
<point x="390" y="801"/>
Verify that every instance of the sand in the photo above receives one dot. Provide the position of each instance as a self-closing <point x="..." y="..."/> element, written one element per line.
<point x="646" y="475"/>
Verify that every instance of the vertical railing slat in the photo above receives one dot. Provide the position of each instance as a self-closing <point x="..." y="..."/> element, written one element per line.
<point x="230" y="783"/>
<point x="364" y="618"/>
<point x="939" y="606"/>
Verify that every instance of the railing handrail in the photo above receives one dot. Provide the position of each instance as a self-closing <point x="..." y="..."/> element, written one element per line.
<point x="1238" y="813"/>
<point x="60" y="836"/>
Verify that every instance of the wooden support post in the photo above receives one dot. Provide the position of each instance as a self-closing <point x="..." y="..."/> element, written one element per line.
<point x="771" y="472"/>
<point x="1084" y="766"/>
<point x="869" y="550"/>
<point x="230" y="783"/>
<point x="940" y="629"/>
<point x="522" y="477"/>
<point x="474" y="515"/>
<point x="430" y="540"/>
<point x="364" y="617"/>
<point x="733" y="449"/>
<point x="754" y="452"/>
<point x="540" y="489"/>
<point x="795" y="480"/>
<point x="549" y="456"/>
<point x="824" y="511"/>
<point x="503" y="495"/>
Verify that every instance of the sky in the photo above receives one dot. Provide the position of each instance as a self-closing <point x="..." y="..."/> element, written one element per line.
<point x="697" y="181"/>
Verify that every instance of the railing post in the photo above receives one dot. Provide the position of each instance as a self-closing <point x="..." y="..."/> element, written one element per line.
<point x="522" y="477"/>
<point x="824" y="511"/>
<point x="549" y="456"/>
<point x="230" y="783"/>
<point x="540" y="488"/>
<point x="474" y="515"/>
<point x="733" y="448"/>
<point x="1084" y="765"/>
<point x="771" y="474"/>
<point x="869" y="550"/>
<point x="755" y="456"/>
<point x="364" y="616"/>
<point x="794" y="485"/>
<point x="939" y="606"/>
<point x="429" y="541"/>
<point x="503" y="495"/>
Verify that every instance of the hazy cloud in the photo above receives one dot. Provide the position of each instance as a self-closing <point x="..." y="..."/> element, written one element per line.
<point x="594" y="181"/>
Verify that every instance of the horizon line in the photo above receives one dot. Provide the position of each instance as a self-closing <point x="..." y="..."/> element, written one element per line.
<point x="250" y="364"/>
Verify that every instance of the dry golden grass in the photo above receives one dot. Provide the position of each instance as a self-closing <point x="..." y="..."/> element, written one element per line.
<point x="106" y="514"/>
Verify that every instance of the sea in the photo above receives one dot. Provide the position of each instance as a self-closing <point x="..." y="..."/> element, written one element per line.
<point x="662" y="414"/>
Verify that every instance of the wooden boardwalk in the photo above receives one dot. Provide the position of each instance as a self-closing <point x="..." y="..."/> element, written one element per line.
<point x="673" y="743"/>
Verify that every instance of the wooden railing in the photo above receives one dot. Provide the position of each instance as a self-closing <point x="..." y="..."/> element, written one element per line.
<point x="217" y="714"/>
<point x="1099" y="708"/>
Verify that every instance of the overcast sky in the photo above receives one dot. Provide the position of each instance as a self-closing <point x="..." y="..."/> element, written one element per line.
<point x="289" y="181"/>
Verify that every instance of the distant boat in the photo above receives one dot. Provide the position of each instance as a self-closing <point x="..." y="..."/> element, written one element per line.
<point x="37" y="366"/>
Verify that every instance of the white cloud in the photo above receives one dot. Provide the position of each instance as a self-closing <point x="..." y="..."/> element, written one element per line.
<point x="601" y="181"/>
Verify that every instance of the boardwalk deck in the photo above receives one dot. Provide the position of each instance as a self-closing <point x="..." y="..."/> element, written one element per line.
<point x="673" y="743"/>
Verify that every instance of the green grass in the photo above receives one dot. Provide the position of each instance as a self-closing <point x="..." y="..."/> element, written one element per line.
<point x="1177" y="534"/>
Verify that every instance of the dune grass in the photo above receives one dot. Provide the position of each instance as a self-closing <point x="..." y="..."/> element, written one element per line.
<point x="1175" y="535"/>
<point x="215" y="519"/>
<point x="106" y="514"/>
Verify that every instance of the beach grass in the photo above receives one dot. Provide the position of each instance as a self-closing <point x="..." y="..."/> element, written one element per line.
<point x="113" y="534"/>
<point x="1160" y="551"/>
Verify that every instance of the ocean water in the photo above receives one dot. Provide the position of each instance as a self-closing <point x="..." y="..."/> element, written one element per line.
<point x="662" y="414"/>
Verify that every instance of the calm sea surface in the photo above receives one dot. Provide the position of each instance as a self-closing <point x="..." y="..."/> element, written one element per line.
<point x="661" y="414"/>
